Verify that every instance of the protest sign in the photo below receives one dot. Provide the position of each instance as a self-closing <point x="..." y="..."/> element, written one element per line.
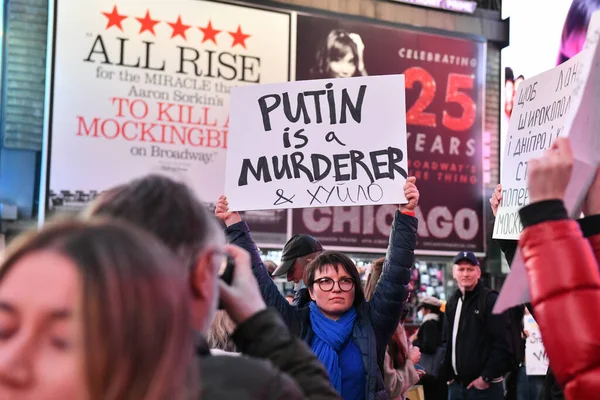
<point x="536" y="360"/>
<point x="317" y="143"/>
<point x="542" y="106"/>
<point x="580" y="124"/>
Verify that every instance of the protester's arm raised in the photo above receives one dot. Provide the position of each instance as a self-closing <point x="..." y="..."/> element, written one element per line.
<point x="563" y="275"/>
<point x="391" y="292"/>
<point x="238" y="233"/>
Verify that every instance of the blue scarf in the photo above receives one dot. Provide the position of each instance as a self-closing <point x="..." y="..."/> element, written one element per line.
<point x="330" y="337"/>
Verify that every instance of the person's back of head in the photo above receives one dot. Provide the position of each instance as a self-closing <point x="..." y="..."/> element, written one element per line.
<point x="164" y="207"/>
<point x="169" y="210"/>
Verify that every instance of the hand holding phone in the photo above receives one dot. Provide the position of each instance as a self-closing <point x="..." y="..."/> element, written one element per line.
<point x="226" y="274"/>
<point x="226" y="271"/>
<point x="241" y="298"/>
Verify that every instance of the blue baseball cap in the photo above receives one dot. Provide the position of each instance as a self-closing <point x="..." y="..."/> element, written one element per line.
<point x="466" y="256"/>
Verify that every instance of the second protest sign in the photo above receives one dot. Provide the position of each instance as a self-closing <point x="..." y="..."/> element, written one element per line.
<point x="317" y="143"/>
<point x="541" y="110"/>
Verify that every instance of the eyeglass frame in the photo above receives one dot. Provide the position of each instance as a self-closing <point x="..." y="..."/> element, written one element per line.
<point x="320" y="280"/>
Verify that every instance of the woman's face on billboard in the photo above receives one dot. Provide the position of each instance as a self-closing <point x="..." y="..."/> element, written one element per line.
<point x="345" y="67"/>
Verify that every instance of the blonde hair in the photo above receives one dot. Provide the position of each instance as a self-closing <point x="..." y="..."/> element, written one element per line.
<point x="220" y="331"/>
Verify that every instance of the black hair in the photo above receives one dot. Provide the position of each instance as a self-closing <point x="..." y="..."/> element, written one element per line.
<point x="508" y="75"/>
<point x="335" y="47"/>
<point x="577" y="21"/>
<point x="335" y="260"/>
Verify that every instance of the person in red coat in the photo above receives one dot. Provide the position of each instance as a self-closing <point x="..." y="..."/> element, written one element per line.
<point x="563" y="272"/>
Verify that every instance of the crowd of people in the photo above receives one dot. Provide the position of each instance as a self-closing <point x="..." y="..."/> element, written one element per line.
<point x="145" y="295"/>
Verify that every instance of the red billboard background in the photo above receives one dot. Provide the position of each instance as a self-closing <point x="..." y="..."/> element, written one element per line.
<point x="444" y="96"/>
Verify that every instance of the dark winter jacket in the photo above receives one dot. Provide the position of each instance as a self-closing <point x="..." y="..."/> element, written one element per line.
<point x="429" y="337"/>
<point x="561" y="259"/>
<point x="545" y="211"/>
<point x="376" y="320"/>
<point x="275" y="365"/>
<point x="483" y="346"/>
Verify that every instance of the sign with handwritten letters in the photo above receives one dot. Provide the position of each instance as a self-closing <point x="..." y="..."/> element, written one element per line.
<point x="536" y="360"/>
<point x="326" y="142"/>
<point x="580" y="125"/>
<point x="541" y="109"/>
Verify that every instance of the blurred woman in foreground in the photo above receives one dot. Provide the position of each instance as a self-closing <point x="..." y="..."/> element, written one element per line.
<point x="93" y="311"/>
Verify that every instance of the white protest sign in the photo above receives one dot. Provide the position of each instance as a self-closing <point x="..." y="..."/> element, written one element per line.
<point x="536" y="360"/>
<point x="544" y="102"/>
<point x="317" y="143"/>
<point x="580" y="126"/>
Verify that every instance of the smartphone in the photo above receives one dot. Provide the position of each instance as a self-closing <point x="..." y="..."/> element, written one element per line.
<point x="226" y="274"/>
<point x="226" y="270"/>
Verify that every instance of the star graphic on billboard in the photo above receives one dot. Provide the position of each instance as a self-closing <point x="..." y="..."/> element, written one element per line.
<point x="179" y="28"/>
<point x="239" y="37"/>
<point x="209" y="33"/>
<point x="147" y="23"/>
<point x="114" y="18"/>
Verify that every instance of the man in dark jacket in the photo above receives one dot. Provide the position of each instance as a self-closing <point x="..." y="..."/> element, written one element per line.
<point x="284" y="367"/>
<point x="478" y="349"/>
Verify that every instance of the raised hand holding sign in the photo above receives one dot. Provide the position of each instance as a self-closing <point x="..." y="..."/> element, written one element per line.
<point x="559" y="103"/>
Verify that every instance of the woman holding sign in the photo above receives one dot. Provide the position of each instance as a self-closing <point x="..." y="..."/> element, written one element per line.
<point x="348" y="334"/>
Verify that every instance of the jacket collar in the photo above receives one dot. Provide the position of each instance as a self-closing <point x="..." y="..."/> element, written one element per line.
<point x="469" y="294"/>
<point x="430" y="317"/>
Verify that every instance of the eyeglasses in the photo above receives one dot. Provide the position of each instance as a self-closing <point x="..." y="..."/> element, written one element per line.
<point x="327" y="284"/>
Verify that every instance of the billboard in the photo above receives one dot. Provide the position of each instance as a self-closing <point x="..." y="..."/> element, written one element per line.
<point x="444" y="98"/>
<point x="144" y="88"/>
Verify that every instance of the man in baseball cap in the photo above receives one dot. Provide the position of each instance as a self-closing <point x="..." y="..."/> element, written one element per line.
<point x="479" y="345"/>
<point x="466" y="256"/>
<point x="297" y="253"/>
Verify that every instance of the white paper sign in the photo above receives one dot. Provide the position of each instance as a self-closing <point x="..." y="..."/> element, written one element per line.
<point x="581" y="126"/>
<point x="144" y="87"/>
<point x="317" y="143"/>
<point x="536" y="360"/>
<point x="539" y="116"/>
